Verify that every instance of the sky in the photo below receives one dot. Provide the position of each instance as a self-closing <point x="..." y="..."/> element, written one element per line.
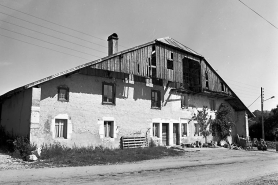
<point x="39" y="38"/>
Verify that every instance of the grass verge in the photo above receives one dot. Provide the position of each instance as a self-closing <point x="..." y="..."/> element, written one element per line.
<point x="58" y="155"/>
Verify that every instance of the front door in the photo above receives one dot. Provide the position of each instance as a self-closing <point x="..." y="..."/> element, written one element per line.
<point x="165" y="134"/>
<point x="176" y="138"/>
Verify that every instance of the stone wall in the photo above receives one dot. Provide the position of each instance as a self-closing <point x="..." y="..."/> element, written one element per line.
<point x="132" y="113"/>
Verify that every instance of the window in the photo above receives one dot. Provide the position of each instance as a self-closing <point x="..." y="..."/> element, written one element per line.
<point x="108" y="93"/>
<point x="184" y="129"/>
<point x="207" y="81"/>
<point x="61" y="128"/>
<point x="156" y="129"/>
<point x="155" y="98"/>
<point x="170" y="64"/>
<point x="184" y="101"/>
<point x="63" y="93"/>
<point x="222" y="87"/>
<point x="212" y="104"/>
<point x="108" y="129"/>
<point x="197" y="129"/>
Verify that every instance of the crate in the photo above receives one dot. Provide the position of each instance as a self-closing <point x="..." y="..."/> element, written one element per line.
<point x="133" y="142"/>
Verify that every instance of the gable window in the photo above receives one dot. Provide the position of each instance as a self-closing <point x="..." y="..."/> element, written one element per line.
<point x="184" y="129"/>
<point x="155" y="98"/>
<point x="184" y="101"/>
<point x="61" y="128"/>
<point x="156" y="129"/>
<point x="170" y="62"/>
<point x="108" y="93"/>
<point x="212" y="104"/>
<point x="207" y="80"/>
<point x="222" y="87"/>
<point x="63" y="93"/>
<point x="109" y="129"/>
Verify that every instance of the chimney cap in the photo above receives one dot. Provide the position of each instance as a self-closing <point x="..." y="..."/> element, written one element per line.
<point x="113" y="36"/>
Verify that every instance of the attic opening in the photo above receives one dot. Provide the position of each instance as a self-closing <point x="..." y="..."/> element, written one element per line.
<point x="152" y="66"/>
<point x="207" y="79"/>
<point x="191" y="75"/>
<point x="170" y="62"/>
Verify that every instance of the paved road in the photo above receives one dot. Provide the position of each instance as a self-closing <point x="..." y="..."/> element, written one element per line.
<point x="213" y="166"/>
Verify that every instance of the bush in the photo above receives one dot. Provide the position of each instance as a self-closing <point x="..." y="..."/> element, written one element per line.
<point x="18" y="146"/>
<point x="22" y="147"/>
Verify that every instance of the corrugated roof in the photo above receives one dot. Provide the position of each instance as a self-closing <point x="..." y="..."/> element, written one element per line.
<point x="176" y="44"/>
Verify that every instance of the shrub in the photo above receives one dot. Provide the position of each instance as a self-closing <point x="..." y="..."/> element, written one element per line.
<point x="22" y="147"/>
<point x="152" y="143"/>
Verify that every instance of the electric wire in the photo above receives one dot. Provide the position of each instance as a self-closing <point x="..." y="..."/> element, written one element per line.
<point x="45" y="47"/>
<point x="54" y="23"/>
<point x="51" y="36"/>
<point x="54" y="30"/>
<point x="254" y="101"/>
<point x="258" y="14"/>
<point x="49" y="42"/>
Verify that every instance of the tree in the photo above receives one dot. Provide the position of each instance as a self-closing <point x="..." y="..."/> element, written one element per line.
<point x="270" y="124"/>
<point x="204" y="121"/>
<point x="223" y="123"/>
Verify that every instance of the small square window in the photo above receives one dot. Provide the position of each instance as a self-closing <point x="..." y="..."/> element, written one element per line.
<point x="109" y="129"/>
<point x="108" y="93"/>
<point x="156" y="99"/>
<point x="184" y="101"/>
<point x="60" y="128"/>
<point x="63" y="94"/>
<point x="156" y="129"/>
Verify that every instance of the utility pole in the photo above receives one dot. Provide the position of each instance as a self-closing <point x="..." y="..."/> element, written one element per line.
<point x="262" y="110"/>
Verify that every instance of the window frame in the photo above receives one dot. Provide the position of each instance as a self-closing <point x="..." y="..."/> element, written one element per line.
<point x="184" y="101"/>
<point x="153" y="102"/>
<point x="110" y="133"/>
<point x="183" y="126"/>
<point x="66" y="99"/>
<point x="207" y="80"/>
<point x="170" y="64"/>
<point x="156" y="129"/>
<point x="212" y="104"/>
<point x="197" y="129"/>
<point x="60" y="135"/>
<point x="113" y="94"/>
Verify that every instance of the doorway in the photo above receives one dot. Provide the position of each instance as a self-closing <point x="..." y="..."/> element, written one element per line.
<point x="176" y="134"/>
<point x="165" y="134"/>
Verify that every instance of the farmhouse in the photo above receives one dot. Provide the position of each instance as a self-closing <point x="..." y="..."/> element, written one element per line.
<point x="152" y="90"/>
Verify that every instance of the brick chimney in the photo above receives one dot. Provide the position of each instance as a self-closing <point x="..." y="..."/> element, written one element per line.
<point x="112" y="44"/>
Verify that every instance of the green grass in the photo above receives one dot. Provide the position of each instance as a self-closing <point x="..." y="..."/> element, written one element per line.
<point x="58" y="155"/>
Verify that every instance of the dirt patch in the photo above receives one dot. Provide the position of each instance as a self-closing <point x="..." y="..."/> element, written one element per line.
<point x="9" y="163"/>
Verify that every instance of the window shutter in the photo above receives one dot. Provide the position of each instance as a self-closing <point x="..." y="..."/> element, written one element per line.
<point x="159" y="98"/>
<point x="67" y="95"/>
<point x="101" y="129"/>
<point x="114" y="94"/>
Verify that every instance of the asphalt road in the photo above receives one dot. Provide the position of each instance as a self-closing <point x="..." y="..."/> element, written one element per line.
<point x="207" y="166"/>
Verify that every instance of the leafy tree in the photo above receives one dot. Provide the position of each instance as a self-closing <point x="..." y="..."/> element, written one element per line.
<point x="223" y="123"/>
<point x="204" y="121"/>
<point x="270" y="124"/>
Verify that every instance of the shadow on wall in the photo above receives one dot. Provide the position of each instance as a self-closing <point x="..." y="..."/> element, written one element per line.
<point x="93" y="85"/>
